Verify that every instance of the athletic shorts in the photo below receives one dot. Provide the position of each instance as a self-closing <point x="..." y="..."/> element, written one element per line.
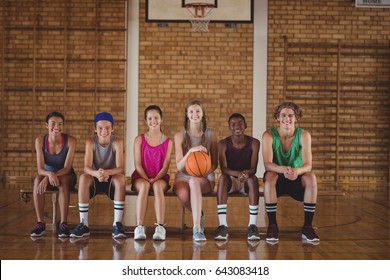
<point x="183" y="177"/>
<point x="99" y="187"/>
<point x="288" y="187"/>
<point x="72" y="182"/>
<point x="237" y="186"/>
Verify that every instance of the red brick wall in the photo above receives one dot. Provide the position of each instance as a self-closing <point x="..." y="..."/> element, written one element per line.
<point x="333" y="59"/>
<point x="75" y="62"/>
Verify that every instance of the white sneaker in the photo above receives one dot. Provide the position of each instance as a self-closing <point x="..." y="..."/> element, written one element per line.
<point x="159" y="233"/>
<point x="139" y="233"/>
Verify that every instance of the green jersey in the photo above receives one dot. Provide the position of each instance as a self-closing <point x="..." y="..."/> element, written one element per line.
<point x="292" y="157"/>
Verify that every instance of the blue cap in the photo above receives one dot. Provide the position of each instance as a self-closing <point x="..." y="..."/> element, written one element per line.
<point x="104" y="116"/>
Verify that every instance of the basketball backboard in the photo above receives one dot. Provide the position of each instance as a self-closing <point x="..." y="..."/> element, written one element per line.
<point x="239" y="11"/>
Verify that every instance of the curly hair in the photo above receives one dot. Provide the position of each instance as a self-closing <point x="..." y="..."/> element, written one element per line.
<point x="297" y="110"/>
<point x="187" y="139"/>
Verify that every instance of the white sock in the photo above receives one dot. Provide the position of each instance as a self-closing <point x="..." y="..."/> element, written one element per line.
<point x="83" y="209"/>
<point x="253" y="211"/>
<point x="221" y="208"/>
<point x="118" y="211"/>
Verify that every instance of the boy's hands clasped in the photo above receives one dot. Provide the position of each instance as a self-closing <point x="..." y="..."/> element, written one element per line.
<point x="102" y="176"/>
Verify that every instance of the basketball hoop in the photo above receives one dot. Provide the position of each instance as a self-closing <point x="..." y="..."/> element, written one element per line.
<point x="201" y="15"/>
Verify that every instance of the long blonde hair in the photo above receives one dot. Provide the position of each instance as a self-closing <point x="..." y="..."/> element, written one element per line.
<point x="187" y="140"/>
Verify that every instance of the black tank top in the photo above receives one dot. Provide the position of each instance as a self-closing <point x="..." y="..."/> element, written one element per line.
<point x="57" y="161"/>
<point x="239" y="159"/>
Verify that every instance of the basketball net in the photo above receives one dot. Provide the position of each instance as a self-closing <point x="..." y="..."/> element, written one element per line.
<point x="201" y="16"/>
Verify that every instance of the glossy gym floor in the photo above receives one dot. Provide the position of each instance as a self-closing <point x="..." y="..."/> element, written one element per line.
<point x="355" y="226"/>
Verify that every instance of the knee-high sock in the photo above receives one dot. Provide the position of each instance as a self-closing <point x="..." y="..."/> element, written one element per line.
<point x="253" y="212"/>
<point x="118" y="211"/>
<point x="270" y="208"/>
<point x="221" y="208"/>
<point x="83" y="210"/>
<point x="309" y="210"/>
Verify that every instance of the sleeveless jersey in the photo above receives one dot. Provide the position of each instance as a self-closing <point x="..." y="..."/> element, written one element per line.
<point x="103" y="157"/>
<point x="293" y="157"/>
<point x="153" y="156"/>
<point x="57" y="161"/>
<point x="239" y="159"/>
<point x="195" y="141"/>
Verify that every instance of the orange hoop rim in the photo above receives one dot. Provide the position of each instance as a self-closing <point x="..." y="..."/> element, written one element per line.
<point x="197" y="4"/>
<point x="200" y="10"/>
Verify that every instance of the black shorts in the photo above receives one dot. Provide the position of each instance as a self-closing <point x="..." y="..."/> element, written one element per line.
<point x="288" y="187"/>
<point x="99" y="187"/>
<point x="72" y="182"/>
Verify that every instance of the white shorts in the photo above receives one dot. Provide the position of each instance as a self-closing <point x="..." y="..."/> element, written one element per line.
<point x="237" y="186"/>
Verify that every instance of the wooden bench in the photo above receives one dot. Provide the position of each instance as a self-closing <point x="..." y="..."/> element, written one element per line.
<point x="25" y="195"/>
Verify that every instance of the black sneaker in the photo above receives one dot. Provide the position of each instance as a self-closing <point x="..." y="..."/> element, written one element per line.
<point x="253" y="233"/>
<point x="118" y="231"/>
<point x="63" y="230"/>
<point x="309" y="234"/>
<point x="39" y="230"/>
<point x="272" y="233"/>
<point x="80" y="231"/>
<point x="222" y="233"/>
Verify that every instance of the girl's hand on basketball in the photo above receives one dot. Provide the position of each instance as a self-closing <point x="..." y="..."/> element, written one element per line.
<point x="199" y="148"/>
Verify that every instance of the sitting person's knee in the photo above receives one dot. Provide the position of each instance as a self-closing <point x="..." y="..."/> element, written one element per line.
<point x="271" y="177"/>
<point x="309" y="179"/>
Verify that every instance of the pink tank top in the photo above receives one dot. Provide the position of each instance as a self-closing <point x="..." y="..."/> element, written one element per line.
<point x="153" y="156"/>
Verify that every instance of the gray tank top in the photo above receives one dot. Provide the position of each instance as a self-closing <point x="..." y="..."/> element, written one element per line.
<point x="195" y="141"/>
<point x="103" y="157"/>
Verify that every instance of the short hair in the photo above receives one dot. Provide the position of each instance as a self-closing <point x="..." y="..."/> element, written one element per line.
<point x="236" y="115"/>
<point x="54" y="114"/>
<point x="297" y="110"/>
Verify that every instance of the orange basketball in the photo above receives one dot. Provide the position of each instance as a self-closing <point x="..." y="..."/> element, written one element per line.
<point x="198" y="164"/>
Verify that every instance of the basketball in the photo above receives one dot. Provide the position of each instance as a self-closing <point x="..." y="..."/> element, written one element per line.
<point x="198" y="164"/>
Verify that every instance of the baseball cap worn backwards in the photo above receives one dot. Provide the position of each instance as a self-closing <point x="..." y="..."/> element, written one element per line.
<point x="104" y="116"/>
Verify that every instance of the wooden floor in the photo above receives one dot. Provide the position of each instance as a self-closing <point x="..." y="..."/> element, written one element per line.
<point x="351" y="227"/>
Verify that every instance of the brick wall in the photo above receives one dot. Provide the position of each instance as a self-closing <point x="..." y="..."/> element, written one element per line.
<point x="66" y="56"/>
<point x="334" y="60"/>
<point x="178" y="65"/>
<point x="328" y="56"/>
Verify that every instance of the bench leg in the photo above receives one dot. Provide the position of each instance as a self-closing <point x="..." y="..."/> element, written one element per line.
<point x="55" y="212"/>
<point x="182" y="218"/>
